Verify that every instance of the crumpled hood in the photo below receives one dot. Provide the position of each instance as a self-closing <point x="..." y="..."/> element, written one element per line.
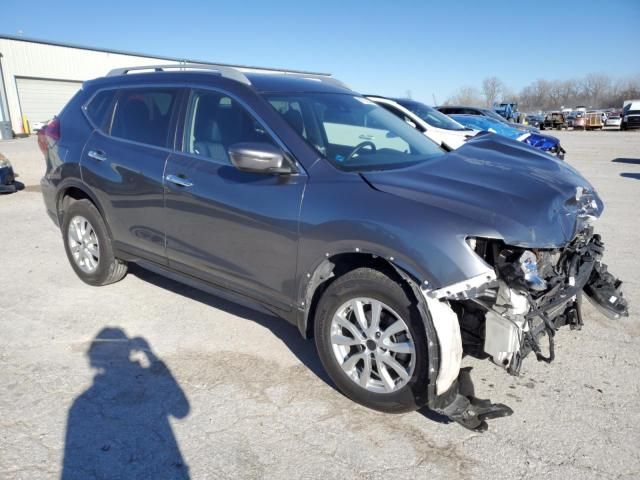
<point x="494" y="186"/>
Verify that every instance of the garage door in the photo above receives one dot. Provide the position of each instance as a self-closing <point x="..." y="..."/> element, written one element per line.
<point x="41" y="99"/>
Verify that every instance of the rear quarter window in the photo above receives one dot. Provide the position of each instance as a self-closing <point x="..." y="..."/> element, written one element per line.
<point x="100" y="108"/>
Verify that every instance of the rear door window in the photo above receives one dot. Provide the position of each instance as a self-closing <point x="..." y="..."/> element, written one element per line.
<point x="144" y="115"/>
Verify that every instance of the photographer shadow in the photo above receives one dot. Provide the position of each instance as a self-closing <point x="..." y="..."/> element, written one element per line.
<point x="119" y="427"/>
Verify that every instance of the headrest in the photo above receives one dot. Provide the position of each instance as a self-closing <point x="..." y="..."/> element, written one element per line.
<point x="294" y="118"/>
<point x="135" y="110"/>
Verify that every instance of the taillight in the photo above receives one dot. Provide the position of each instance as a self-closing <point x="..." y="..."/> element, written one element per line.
<point x="52" y="129"/>
<point x="50" y="132"/>
<point x="42" y="142"/>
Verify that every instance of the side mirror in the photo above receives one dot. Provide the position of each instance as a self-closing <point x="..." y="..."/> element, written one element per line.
<point x="258" y="157"/>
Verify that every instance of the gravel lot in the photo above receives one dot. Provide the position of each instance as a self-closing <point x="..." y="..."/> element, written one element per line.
<point x="249" y="399"/>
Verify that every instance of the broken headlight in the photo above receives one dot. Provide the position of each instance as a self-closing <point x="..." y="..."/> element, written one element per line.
<point x="520" y="268"/>
<point x="529" y="267"/>
<point x="472" y="242"/>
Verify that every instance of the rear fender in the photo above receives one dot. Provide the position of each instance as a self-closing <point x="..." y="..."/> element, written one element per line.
<point x="74" y="183"/>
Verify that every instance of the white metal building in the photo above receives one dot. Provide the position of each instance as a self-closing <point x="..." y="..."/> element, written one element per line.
<point x="38" y="77"/>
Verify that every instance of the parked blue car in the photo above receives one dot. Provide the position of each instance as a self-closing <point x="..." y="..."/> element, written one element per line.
<point x="485" y="112"/>
<point x="546" y="143"/>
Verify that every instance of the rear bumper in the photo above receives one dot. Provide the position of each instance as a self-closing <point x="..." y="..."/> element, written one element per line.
<point x="49" y="198"/>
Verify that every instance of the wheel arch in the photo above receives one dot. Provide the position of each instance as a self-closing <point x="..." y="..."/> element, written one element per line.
<point x="335" y="265"/>
<point x="332" y="266"/>
<point x="73" y="190"/>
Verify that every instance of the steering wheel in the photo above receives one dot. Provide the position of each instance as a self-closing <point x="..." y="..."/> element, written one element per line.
<point x="359" y="147"/>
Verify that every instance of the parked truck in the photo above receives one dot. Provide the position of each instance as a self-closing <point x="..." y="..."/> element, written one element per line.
<point x="507" y="110"/>
<point x="630" y="114"/>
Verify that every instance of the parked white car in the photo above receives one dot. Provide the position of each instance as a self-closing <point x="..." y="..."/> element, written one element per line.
<point x="613" y="120"/>
<point x="37" y="126"/>
<point x="434" y="124"/>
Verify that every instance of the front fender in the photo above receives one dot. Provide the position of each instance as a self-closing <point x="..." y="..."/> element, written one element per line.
<point x="349" y="215"/>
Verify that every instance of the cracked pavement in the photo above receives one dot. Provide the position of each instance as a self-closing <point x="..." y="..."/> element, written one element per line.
<point x="202" y="386"/>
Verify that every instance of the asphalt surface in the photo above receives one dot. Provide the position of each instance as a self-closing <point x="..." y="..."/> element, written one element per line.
<point x="236" y="393"/>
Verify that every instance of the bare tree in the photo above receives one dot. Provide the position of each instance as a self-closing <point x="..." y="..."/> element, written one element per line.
<point x="465" y="96"/>
<point x="595" y="85"/>
<point x="492" y="88"/>
<point x="595" y="90"/>
<point x="625" y="89"/>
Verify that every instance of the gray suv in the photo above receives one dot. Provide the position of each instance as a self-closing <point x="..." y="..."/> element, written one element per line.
<point x="293" y="191"/>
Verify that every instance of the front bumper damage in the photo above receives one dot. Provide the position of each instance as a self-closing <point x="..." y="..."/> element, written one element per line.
<point x="514" y="309"/>
<point x="546" y="143"/>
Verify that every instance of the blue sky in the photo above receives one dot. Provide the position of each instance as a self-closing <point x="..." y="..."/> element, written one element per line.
<point x="384" y="47"/>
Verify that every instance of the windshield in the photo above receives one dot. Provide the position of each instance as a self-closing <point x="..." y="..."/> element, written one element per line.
<point x="495" y="116"/>
<point x="431" y="116"/>
<point x="352" y="132"/>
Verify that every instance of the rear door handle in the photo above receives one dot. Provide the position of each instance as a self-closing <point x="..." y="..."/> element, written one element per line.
<point x="97" y="155"/>
<point x="176" y="180"/>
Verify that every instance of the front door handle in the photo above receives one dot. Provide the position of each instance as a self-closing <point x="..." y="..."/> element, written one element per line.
<point x="175" y="179"/>
<point x="97" y="155"/>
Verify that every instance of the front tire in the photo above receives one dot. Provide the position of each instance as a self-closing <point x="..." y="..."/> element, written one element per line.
<point x="88" y="245"/>
<point x="371" y="341"/>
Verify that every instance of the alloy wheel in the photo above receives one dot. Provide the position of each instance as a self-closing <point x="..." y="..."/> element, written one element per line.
<point x="373" y="345"/>
<point x="83" y="244"/>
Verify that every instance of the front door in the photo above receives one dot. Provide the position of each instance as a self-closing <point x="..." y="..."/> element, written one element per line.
<point x="235" y="229"/>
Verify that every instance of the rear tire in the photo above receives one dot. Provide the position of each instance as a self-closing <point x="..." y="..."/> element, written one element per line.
<point x="88" y="245"/>
<point x="385" y="386"/>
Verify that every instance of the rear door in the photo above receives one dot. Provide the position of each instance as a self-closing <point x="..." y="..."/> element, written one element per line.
<point x="236" y="229"/>
<point x="124" y="162"/>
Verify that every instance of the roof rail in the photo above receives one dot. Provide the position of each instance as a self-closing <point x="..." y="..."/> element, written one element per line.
<point x="224" y="70"/>
<point x="322" y="77"/>
<point x="232" y="72"/>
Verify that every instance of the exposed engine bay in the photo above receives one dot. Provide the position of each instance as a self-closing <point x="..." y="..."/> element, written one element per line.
<point x="535" y="292"/>
<point x="517" y="309"/>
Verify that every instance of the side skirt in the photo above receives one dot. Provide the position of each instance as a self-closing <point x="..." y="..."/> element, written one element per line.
<point x="215" y="290"/>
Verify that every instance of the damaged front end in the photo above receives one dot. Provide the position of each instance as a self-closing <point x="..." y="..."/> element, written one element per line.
<point x="509" y="253"/>
<point x="546" y="143"/>
<point x="516" y="308"/>
<point x="535" y="292"/>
